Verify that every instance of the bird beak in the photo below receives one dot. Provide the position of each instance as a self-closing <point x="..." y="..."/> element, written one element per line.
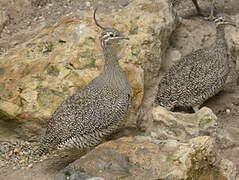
<point x="123" y="37"/>
<point x="233" y="24"/>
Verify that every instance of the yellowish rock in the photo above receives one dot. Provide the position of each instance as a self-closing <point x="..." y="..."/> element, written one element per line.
<point x="38" y="75"/>
<point x="164" y="124"/>
<point x="147" y="158"/>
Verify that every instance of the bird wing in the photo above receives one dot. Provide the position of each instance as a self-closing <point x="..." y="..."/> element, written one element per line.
<point x="87" y="110"/>
<point x="197" y="72"/>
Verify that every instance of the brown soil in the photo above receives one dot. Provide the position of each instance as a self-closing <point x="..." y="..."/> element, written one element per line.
<point x="25" y="18"/>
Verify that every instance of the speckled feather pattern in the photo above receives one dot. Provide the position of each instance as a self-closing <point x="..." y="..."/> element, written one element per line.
<point x="195" y="77"/>
<point x="84" y="119"/>
<point x="96" y="110"/>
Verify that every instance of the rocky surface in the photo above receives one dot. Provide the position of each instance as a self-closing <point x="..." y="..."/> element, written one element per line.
<point x="139" y="157"/>
<point x="163" y="124"/>
<point x="39" y="74"/>
<point x="147" y="158"/>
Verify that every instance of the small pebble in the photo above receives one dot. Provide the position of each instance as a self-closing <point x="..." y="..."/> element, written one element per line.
<point x="19" y="154"/>
<point x="87" y="4"/>
<point x="228" y="111"/>
<point x="16" y="150"/>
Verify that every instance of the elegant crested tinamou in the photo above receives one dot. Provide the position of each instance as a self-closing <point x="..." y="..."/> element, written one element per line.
<point x="96" y="110"/>
<point x="198" y="75"/>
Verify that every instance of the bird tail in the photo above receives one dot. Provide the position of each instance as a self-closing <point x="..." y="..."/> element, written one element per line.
<point x="59" y="159"/>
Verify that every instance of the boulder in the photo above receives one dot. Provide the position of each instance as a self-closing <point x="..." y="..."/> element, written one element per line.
<point x="147" y="158"/>
<point x="36" y="76"/>
<point x="164" y="124"/>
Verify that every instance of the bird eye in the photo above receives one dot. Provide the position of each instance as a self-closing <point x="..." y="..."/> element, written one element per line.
<point x="220" y="19"/>
<point x="111" y="35"/>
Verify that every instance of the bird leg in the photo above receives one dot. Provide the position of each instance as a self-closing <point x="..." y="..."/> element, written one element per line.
<point x="197" y="7"/>
<point x="211" y="17"/>
<point x="212" y="9"/>
<point x="196" y="108"/>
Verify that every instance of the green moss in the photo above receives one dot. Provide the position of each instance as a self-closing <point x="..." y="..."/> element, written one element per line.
<point x="4" y="116"/>
<point x="134" y="28"/>
<point x="203" y="123"/>
<point x="88" y="56"/>
<point x="67" y="173"/>
<point x="52" y="70"/>
<point x="135" y="51"/>
<point x="171" y="159"/>
<point x="46" y="47"/>
<point x="202" y="169"/>
<point x="47" y="97"/>
<point x="90" y="65"/>
<point x="2" y="70"/>
<point x="90" y="41"/>
<point x="87" y="53"/>
<point x="38" y="78"/>
<point x="2" y="86"/>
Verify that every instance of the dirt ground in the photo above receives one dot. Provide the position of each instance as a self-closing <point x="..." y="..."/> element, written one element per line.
<point x="25" y="18"/>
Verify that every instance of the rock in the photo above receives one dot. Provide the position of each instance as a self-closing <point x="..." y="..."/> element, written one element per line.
<point x="36" y="76"/>
<point x="148" y="158"/>
<point x="164" y="124"/>
<point x="71" y="175"/>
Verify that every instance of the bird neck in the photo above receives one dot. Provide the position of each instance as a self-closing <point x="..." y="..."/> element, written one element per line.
<point x="110" y="56"/>
<point x="112" y="73"/>
<point x="220" y="37"/>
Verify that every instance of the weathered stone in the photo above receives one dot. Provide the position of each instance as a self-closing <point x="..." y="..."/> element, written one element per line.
<point x="147" y="158"/>
<point x="38" y="75"/>
<point x="164" y="124"/>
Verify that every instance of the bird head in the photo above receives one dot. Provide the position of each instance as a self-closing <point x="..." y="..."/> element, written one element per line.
<point x="223" y="20"/>
<point x="109" y="35"/>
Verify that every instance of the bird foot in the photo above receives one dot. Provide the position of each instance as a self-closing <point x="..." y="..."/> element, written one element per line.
<point x="206" y="16"/>
<point x="196" y="108"/>
<point x="209" y="18"/>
